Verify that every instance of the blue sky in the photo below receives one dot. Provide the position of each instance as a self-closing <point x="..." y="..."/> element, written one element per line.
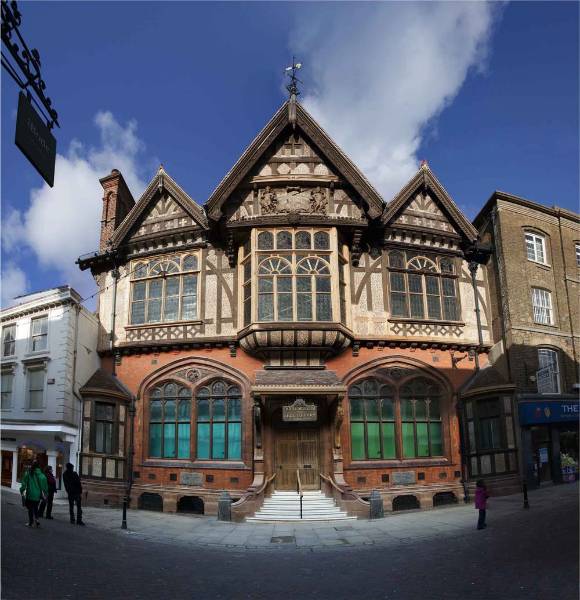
<point x="487" y="93"/>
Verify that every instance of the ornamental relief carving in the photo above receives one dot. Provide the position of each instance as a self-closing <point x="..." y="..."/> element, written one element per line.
<point x="427" y="330"/>
<point x="164" y="333"/>
<point x="293" y="199"/>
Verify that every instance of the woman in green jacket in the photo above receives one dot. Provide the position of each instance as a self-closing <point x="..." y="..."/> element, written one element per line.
<point x="33" y="488"/>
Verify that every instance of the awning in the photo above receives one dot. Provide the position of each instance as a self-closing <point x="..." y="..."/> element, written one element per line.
<point x="298" y="381"/>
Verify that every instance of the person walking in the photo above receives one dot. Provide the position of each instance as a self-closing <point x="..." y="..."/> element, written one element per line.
<point x="74" y="489"/>
<point x="481" y="496"/>
<point x="33" y="488"/>
<point x="46" y="503"/>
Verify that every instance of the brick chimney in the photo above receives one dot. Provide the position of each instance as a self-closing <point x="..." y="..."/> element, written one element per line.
<point x="117" y="202"/>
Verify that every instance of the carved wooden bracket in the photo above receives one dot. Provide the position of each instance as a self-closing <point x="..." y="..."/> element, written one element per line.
<point x="339" y="417"/>
<point x="258" y="424"/>
<point x="231" y="250"/>
<point x="356" y="249"/>
<point x="233" y="349"/>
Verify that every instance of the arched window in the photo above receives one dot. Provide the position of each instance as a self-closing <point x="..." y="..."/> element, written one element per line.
<point x="219" y="421"/>
<point x="421" y="419"/>
<point x="421" y="290"/>
<point x="275" y="290"/>
<point x="165" y="290"/>
<point x="386" y="423"/>
<point x="313" y="290"/>
<point x="372" y="420"/>
<point x="169" y="421"/>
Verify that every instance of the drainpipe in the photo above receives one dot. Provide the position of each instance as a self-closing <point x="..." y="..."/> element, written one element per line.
<point x="115" y="275"/>
<point x="473" y="270"/>
<point x="129" y="479"/>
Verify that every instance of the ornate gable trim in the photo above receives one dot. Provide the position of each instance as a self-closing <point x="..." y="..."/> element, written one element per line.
<point x="425" y="179"/>
<point x="161" y="181"/>
<point x="292" y="113"/>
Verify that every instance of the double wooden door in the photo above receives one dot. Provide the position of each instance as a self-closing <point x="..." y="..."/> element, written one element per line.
<point x="297" y="450"/>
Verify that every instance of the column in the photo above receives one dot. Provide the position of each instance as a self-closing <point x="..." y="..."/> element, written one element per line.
<point x="51" y="455"/>
<point x="15" y="484"/>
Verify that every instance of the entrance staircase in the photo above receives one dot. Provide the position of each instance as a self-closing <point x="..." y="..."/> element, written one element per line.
<point x="284" y="506"/>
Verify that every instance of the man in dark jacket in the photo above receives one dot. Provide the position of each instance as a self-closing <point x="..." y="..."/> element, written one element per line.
<point x="47" y="502"/>
<point x="72" y="485"/>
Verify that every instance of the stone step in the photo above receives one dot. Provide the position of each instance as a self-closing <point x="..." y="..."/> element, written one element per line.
<point x="297" y="519"/>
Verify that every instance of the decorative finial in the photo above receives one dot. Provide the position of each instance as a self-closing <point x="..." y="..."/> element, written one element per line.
<point x="161" y="169"/>
<point x="424" y="164"/>
<point x="292" y="87"/>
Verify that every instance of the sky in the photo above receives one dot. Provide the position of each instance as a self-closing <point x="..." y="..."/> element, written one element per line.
<point x="487" y="93"/>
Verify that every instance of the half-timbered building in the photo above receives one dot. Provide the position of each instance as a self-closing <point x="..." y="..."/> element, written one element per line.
<point x="294" y="329"/>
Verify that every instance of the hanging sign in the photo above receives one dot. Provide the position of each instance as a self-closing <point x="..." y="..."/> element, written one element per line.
<point x="34" y="139"/>
<point x="299" y="411"/>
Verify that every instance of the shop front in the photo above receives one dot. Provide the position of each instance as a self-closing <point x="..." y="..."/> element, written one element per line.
<point x="549" y="434"/>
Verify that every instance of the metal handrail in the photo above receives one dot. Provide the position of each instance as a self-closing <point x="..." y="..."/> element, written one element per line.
<point x="299" y="489"/>
<point x="265" y="484"/>
<point x="329" y="479"/>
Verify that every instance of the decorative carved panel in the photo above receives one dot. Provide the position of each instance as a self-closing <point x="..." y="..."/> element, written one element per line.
<point x="427" y="330"/>
<point x="424" y="212"/>
<point x="183" y="331"/>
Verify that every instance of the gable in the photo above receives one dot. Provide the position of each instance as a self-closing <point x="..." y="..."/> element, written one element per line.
<point x="425" y="204"/>
<point x="163" y="207"/>
<point x="294" y="178"/>
<point x="293" y="149"/>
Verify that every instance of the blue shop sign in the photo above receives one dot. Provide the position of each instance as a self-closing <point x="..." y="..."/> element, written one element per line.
<point x="559" y="411"/>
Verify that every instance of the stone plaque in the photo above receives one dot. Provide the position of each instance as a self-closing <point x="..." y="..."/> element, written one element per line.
<point x="190" y="478"/>
<point x="299" y="411"/>
<point x="404" y="477"/>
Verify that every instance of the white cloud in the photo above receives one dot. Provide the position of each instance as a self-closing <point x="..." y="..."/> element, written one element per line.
<point x="13" y="283"/>
<point x="63" y="222"/>
<point x="382" y="72"/>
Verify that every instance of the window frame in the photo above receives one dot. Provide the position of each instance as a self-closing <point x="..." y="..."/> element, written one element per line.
<point x="113" y="422"/>
<point x="249" y="298"/>
<point x="181" y="273"/>
<point x="41" y="335"/>
<point x="9" y="337"/>
<point x="7" y="375"/>
<point x="577" y="252"/>
<point x="423" y="276"/>
<point x="532" y="244"/>
<point x="29" y="371"/>
<point x="399" y="420"/>
<point x="556" y="372"/>
<point x="548" y="306"/>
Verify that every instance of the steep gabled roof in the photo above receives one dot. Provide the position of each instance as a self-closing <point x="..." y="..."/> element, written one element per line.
<point x="425" y="179"/>
<point x="104" y="383"/>
<point x="292" y="113"/>
<point x="161" y="181"/>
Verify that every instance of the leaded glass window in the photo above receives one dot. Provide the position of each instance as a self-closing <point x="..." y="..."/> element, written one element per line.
<point x="165" y="290"/>
<point x="104" y="423"/>
<point x="169" y="421"/>
<point x="422" y="287"/>
<point x="219" y="421"/>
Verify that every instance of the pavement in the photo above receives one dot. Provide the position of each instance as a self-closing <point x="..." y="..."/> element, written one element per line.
<point x="417" y="554"/>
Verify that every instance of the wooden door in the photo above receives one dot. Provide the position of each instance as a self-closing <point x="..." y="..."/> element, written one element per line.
<point x="297" y="449"/>
<point x="6" y="468"/>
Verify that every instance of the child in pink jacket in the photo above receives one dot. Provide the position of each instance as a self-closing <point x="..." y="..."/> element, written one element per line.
<point x="481" y="497"/>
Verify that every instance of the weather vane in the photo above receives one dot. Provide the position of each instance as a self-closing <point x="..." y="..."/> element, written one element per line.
<point x="292" y="87"/>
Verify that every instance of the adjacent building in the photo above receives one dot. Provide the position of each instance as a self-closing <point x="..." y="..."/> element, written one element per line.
<point x="293" y="325"/>
<point x="534" y="278"/>
<point x="49" y="349"/>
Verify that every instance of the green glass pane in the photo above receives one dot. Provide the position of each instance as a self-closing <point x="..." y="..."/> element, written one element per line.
<point x="408" y="440"/>
<point x="372" y="409"/>
<point x="356" y="409"/>
<point x="434" y="409"/>
<point x="420" y="410"/>
<point x="155" y="440"/>
<point x="203" y="410"/>
<point x="357" y="437"/>
<point x="183" y="412"/>
<point x="155" y="410"/>
<point x="170" y="390"/>
<point x="389" y="449"/>
<point x="219" y="410"/>
<point x="422" y="440"/>
<point x="374" y="440"/>
<point x="170" y="410"/>
<point x="234" y="441"/>
<point x="436" y="439"/>
<point x="203" y="440"/>
<point x="218" y="449"/>
<point x="183" y="440"/>
<point x="169" y="440"/>
<point x="406" y="409"/>
<point x="388" y="409"/>
<point x="234" y="409"/>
